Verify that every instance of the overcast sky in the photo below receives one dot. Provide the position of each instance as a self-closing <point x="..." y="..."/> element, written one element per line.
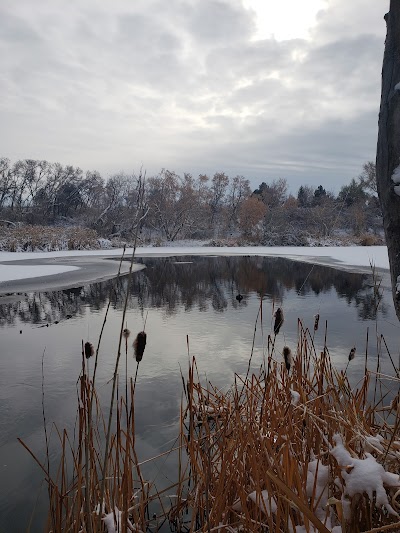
<point x="247" y="87"/>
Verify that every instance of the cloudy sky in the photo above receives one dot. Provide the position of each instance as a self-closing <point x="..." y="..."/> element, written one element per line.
<point x="259" y="88"/>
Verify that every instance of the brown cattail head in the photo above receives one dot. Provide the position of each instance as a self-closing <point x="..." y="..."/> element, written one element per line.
<point x="89" y="350"/>
<point x="126" y="332"/>
<point x="394" y="404"/>
<point x="287" y="355"/>
<point x="139" y="344"/>
<point x="352" y="353"/>
<point x="316" y="322"/>
<point x="278" y="320"/>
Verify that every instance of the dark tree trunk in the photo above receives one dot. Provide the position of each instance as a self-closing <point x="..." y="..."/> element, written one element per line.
<point x="388" y="148"/>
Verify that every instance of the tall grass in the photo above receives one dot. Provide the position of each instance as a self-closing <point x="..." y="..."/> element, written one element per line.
<point x="255" y="458"/>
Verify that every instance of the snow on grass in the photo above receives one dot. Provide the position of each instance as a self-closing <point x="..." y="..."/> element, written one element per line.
<point x="295" y="397"/>
<point x="317" y="490"/>
<point x="374" y="444"/>
<point x="263" y="501"/>
<point x="363" y="476"/>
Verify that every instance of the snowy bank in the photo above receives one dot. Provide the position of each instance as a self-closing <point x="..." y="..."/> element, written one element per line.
<point x="357" y="258"/>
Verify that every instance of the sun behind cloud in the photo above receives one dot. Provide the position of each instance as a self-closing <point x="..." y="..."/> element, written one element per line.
<point x="284" y="20"/>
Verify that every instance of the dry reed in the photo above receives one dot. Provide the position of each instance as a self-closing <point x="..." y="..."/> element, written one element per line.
<point x="256" y="458"/>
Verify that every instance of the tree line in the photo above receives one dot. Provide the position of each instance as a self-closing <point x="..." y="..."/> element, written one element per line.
<point x="186" y="207"/>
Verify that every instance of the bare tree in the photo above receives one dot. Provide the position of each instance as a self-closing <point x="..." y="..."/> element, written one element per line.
<point x="367" y="177"/>
<point x="219" y="185"/>
<point x="273" y="194"/>
<point x="388" y="148"/>
<point x="251" y="213"/>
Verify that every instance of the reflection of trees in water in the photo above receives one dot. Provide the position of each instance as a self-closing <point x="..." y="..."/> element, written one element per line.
<point x="203" y="283"/>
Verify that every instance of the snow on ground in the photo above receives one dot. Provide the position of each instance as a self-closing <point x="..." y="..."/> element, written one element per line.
<point x="13" y="272"/>
<point x="345" y="256"/>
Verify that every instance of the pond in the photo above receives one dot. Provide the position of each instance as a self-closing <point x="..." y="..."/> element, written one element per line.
<point x="178" y="298"/>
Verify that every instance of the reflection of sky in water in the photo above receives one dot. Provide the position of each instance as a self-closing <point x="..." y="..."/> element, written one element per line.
<point x="195" y="299"/>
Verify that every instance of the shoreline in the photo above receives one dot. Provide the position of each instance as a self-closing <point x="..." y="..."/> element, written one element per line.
<point x="76" y="268"/>
<point x="86" y="270"/>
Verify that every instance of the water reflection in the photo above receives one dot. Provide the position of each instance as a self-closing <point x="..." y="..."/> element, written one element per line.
<point x="174" y="284"/>
<point x="183" y="296"/>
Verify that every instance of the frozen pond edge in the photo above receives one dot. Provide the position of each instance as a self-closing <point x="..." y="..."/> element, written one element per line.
<point x="19" y="272"/>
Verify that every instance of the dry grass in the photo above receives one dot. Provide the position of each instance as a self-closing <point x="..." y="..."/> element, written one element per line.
<point x="47" y="238"/>
<point x="263" y="439"/>
<point x="368" y="239"/>
<point x="245" y="457"/>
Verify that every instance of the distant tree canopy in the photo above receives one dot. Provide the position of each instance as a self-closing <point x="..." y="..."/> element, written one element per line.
<point x="185" y="206"/>
<point x="352" y="193"/>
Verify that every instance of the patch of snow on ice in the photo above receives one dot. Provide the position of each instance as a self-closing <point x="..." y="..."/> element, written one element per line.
<point x="361" y="256"/>
<point x="13" y="272"/>
<point x="396" y="175"/>
<point x="397" y="87"/>
<point x="396" y="189"/>
<point x="347" y="255"/>
<point x="364" y="476"/>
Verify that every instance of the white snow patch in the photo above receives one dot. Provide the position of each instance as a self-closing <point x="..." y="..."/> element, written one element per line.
<point x="396" y="189"/>
<point x="113" y="523"/>
<point x="263" y="501"/>
<point x="311" y="529"/>
<point x="346" y="255"/>
<point x="317" y="478"/>
<point x="373" y="444"/>
<point x="104" y="243"/>
<point x="13" y="272"/>
<point x="397" y="87"/>
<point x="357" y="256"/>
<point x="295" y="397"/>
<point x="396" y="175"/>
<point x="317" y="488"/>
<point x="363" y="476"/>
<point x="110" y="520"/>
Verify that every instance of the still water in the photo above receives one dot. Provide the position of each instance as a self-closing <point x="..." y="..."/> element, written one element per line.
<point x="191" y="296"/>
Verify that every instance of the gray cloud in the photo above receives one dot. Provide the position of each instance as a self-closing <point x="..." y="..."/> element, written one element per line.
<point x="184" y="85"/>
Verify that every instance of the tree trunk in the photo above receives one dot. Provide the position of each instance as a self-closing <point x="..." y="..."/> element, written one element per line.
<point x="388" y="148"/>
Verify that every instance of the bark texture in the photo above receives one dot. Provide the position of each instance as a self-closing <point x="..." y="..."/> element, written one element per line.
<point x="388" y="148"/>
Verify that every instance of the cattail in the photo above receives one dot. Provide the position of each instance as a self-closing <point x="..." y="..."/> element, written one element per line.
<point x="126" y="333"/>
<point x="89" y="350"/>
<point x="394" y="404"/>
<point x="352" y="353"/>
<point x="278" y="320"/>
<point x="316" y="322"/>
<point x="139" y="344"/>
<point x="287" y="355"/>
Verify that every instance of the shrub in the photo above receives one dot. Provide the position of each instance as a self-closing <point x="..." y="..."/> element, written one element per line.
<point x="47" y="238"/>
